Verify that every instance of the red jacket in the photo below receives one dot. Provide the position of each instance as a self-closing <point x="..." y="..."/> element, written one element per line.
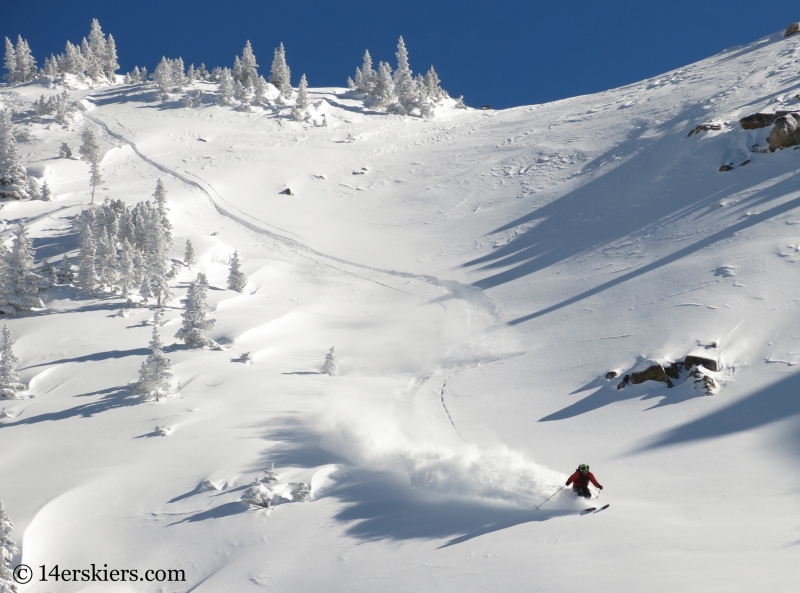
<point x="582" y="480"/>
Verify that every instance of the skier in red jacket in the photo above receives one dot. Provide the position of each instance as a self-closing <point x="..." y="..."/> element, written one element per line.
<point x="580" y="481"/>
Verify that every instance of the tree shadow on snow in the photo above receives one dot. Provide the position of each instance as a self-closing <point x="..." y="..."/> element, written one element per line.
<point x="775" y="403"/>
<point x="113" y="398"/>
<point x="224" y="510"/>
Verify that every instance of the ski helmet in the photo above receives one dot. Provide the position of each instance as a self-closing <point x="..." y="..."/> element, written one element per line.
<point x="583" y="467"/>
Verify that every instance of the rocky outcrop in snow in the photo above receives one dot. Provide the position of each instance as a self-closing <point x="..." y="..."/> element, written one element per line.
<point x="785" y="132"/>
<point x="792" y="29"/>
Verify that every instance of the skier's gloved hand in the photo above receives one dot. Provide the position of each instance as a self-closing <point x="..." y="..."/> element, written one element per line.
<point x="567" y="484"/>
<point x="601" y="487"/>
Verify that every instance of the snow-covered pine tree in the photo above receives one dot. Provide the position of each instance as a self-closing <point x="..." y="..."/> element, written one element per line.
<point x="281" y="76"/>
<point x="20" y="290"/>
<point x="404" y="84"/>
<point x="10" y="63"/>
<point x="64" y="152"/>
<point x="195" y="311"/>
<point x="157" y="247"/>
<point x="13" y="177"/>
<point x="160" y="199"/>
<point x="48" y="272"/>
<point x="242" y="94"/>
<point x="366" y="76"/>
<point x="156" y="371"/>
<point x="144" y="74"/>
<point x="8" y="549"/>
<point x="225" y="87"/>
<point x="301" y="104"/>
<point x="384" y="94"/>
<point x="90" y="152"/>
<point x="191" y="74"/>
<point x="236" y="278"/>
<point x="64" y="273"/>
<point x="47" y="195"/>
<point x="162" y="75"/>
<point x="50" y="66"/>
<point x="94" y="68"/>
<point x="236" y="72"/>
<point x="33" y="190"/>
<point x="248" y="67"/>
<point x="188" y="254"/>
<point x="26" y="64"/>
<point x="9" y="379"/>
<point x="260" y="90"/>
<point x="127" y="273"/>
<point x="87" y="274"/>
<point x="97" y="43"/>
<point x="329" y="368"/>
<point x="110" y="65"/>
<point x="202" y="73"/>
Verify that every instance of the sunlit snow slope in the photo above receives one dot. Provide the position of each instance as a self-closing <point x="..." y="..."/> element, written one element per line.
<point x="479" y="274"/>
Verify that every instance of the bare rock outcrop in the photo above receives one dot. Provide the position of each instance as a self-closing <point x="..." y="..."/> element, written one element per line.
<point x="708" y="363"/>
<point x="785" y="132"/>
<point x="792" y="29"/>
<point x="705" y="128"/>
<point x="652" y="371"/>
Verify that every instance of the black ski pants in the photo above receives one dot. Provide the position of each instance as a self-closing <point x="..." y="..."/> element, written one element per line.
<point x="582" y="491"/>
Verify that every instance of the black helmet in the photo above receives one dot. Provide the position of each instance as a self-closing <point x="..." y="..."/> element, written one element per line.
<point x="583" y="468"/>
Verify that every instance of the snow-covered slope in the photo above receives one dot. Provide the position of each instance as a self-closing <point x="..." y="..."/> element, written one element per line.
<point x="479" y="274"/>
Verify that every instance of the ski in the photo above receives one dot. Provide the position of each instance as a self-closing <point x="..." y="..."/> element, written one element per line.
<point x="595" y="509"/>
<point x="590" y="510"/>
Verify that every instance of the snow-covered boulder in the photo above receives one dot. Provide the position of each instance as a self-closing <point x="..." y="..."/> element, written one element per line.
<point x="792" y="29"/>
<point x="257" y="495"/>
<point x="649" y="370"/>
<point x="785" y="132"/>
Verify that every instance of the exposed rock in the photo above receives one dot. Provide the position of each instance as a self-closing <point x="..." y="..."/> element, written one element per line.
<point x="706" y="363"/>
<point x="705" y="128"/>
<point x="724" y="168"/>
<point x="654" y="372"/>
<point x="785" y="132"/>
<point x="484" y="108"/>
<point x="747" y="162"/>
<point x="288" y="191"/>
<point x="674" y="370"/>
<point x="792" y="29"/>
<point x="611" y="374"/>
<point x="760" y="120"/>
<point x="625" y="380"/>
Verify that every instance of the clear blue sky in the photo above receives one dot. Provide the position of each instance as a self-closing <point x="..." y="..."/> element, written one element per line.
<point x="501" y="52"/>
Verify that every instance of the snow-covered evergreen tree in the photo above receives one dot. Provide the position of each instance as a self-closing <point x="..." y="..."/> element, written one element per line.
<point x="236" y="278"/>
<point x="226" y="89"/>
<point x="47" y="195"/>
<point x="48" y="272"/>
<point x="13" y="177"/>
<point x="301" y="104"/>
<point x="405" y="87"/>
<point x="9" y="379"/>
<point x="87" y="273"/>
<point x="64" y="273"/>
<point x="156" y="371"/>
<point x="20" y="290"/>
<point x="366" y="77"/>
<point x="281" y="76"/>
<point x="90" y="152"/>
<point x="195" y="311"/>
<point x="329" y="368"/>
<point x="384" y="95"/>
<point x="160" y="199"/>
<point x="64" y="152"/>
<point x="202" y="73"/>
<point x="260" y="89"/>
<point x="249" y="67"/>
<point x="188" y="254"/>
<point x="33" y="190"/>
<point x="10" y="63"/>
<point x="242" y="94"/>
<point x="110" y="64"/>
<point x="8" y="549"/>
<point x="127" y="273"/>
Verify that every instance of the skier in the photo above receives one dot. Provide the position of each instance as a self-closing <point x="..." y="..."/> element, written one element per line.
<point x="580" y="481"/>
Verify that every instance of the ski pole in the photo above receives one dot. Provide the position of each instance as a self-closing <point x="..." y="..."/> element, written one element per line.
<point x="554" y="493"/>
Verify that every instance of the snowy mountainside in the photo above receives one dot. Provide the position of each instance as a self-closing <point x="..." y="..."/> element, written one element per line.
<point x="479" y="273"/>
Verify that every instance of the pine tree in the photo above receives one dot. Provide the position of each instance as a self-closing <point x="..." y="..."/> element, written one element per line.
<point x="236" y="278"/>
<point x="26" y="64"/>
<point x="13" y="177"/>
<point x="157" y="246"/>
<point x="47" y="195"/>
<point x="48" y="272"/>
<point x="10" y="63"/>
<point x="188" y="255"/>
<point x="160" y="198"/>
<point x="90" y="152"/>
<point x="202" y="73"/>
<point x="366" y="76"/>
<point x="8" y="549"/>
<point x="301" y="104"/>
<point x="94" y="69"/>
<point x="127" y="273"/>
<point x="21" y="287"/>
<point x="260" y="90"/>
<point x="33" y="190"/>
<point x="195" y="310"/>
<point x="404" y="84"/>
<point x="87" y="274"/>
<point x="111" y="65"/>
<point x="329" y="368"/>
<point x="384" y="87"/>
<point x="155" y="372"/>
<point x="64" y="152"/>
<point x="248" y="67"/>
<point x="281" y="74"/>
<point x="97" y="41"/>
<point x="225" y="87"/>
<point x="64" y="273"/>
<point x="9" y="379"/>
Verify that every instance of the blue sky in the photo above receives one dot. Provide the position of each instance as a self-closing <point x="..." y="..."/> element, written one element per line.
<point x="498" y="52"/>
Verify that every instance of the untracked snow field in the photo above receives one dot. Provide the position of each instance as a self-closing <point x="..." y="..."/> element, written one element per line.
<point x="479" y="273"/>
